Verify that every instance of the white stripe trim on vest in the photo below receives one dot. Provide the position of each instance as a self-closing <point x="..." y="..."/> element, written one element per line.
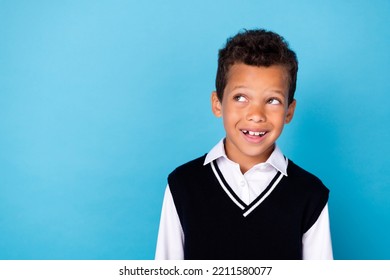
<point x="247" y="212"/>
<point x="242" y="207"/>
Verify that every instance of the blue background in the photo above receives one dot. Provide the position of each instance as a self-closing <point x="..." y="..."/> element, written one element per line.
<point x="100" y="100"/>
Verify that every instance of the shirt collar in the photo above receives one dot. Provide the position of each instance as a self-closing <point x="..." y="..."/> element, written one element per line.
<point x="276" y="160"/>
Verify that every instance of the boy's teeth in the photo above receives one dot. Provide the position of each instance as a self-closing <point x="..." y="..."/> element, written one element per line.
<point x="253" y="133"/>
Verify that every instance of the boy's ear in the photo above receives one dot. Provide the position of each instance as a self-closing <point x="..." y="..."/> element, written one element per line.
<point x="216" y="105"/>
<point x="290" y="111"/>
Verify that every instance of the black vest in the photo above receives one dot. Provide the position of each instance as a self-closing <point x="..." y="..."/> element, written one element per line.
<point x="217" y="228"/>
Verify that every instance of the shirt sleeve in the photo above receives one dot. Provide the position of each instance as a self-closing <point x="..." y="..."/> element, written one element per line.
<point x="317" y="243"/>
<point x="170" y="241"/>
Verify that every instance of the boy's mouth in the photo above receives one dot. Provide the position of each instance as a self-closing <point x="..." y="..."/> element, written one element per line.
<point x="254" y="133"/>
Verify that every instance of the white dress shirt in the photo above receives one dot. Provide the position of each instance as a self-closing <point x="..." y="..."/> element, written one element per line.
<point x="170" y="243"/>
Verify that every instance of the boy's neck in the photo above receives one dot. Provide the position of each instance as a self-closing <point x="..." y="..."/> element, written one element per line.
<point x="246" y="162"/>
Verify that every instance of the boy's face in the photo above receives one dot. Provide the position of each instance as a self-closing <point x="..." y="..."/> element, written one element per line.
<point x="254" y="110"/>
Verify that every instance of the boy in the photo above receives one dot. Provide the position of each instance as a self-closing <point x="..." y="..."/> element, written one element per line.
<point x="245" y="199"/>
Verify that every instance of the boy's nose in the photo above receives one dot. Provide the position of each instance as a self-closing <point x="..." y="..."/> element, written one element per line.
<point x="256" y="114"/>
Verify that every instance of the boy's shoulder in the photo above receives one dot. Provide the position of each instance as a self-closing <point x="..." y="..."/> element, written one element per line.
<point x="303" y="177"/>
<point x="189" y="168"/>
<point x="187" y="179"/>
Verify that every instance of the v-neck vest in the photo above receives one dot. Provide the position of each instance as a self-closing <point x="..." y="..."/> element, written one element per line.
<point x="218" y="225"/>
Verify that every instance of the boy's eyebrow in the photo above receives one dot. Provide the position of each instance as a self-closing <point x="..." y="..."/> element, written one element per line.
<point x="281" y="92"/>
<point x="239" y="87"/>
<point x="278" y="91"/>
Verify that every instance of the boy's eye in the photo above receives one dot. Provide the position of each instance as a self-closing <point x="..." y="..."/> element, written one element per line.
<point x="274" y="101"/>
<point x="240" y="98"/>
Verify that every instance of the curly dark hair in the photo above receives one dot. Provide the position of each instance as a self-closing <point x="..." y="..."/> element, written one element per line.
<point x="256" y="47"/>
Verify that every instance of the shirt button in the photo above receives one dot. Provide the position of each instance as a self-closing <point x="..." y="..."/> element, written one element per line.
<point x="242" y="184"/>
